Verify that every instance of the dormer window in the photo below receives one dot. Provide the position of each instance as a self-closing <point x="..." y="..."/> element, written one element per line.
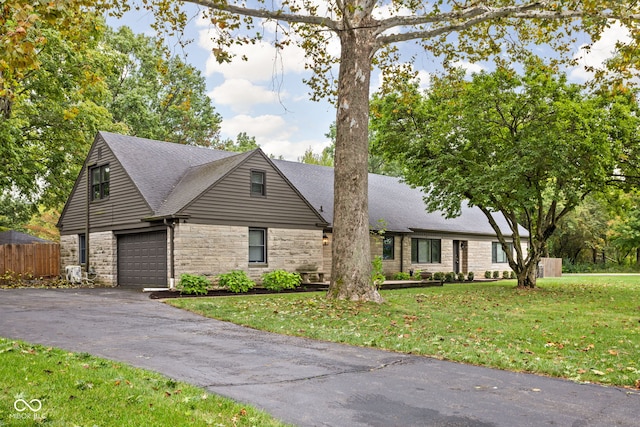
<point x="100" y="182"/>
<point x="258" y="184"/>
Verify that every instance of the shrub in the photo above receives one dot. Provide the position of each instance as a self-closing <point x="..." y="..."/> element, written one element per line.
<point x="450" y="277"/>
<point x="279" y="280"/>
<point x="236" y="281"/>
<point x="496" y="274"/>
<point x="470" y="276"/>
<point x="401" y="275"/>
<point x="190" y="284"/>
<point x="438" y="276"/>
<point x="460" y="277"/>
<point x="506" y="274"/>
<point x="417" y="275"/>
<point x="487" y="275"/>
<point x="513" y="275"/>
<point x="377" y="273"/>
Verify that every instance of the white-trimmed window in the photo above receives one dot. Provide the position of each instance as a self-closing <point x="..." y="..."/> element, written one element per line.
<point x="258" y="183"/>
<point x="258" y="245"/>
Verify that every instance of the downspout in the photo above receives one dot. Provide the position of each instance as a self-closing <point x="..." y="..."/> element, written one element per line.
<point x="402" y="254"/>
<point x="172" y="280"/>
<point x="88" y="222"/>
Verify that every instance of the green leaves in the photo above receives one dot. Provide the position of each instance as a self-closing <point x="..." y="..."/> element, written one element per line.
<point x="529" y="147"/>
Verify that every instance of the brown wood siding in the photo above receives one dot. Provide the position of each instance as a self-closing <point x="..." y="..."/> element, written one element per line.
<point x="123" y="209"/>
<point x="230" y="201"/>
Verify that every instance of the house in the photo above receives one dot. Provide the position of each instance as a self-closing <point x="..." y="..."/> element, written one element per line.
<point x="142" y="212"/>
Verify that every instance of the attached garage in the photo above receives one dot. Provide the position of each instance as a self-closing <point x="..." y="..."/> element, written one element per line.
<point x="142" y="259"/>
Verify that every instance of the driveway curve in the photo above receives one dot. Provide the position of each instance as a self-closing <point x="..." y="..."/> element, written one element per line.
<point x="301" y="381"/>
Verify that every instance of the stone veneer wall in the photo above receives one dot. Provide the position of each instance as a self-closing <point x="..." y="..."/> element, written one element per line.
<point x="475" y="257"/>
<point x="214" y="249"/>
<point x="69" y="248"/>
<point x="102" y="255"/>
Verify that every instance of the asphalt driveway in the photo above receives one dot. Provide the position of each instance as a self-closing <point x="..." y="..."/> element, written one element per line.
<point x="304" y="382"/>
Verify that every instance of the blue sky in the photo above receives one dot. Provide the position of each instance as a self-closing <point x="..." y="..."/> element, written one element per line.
<point x="266" y="97"/>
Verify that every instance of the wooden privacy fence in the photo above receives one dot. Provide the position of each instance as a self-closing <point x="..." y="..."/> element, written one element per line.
<point x="37" y="259"/>
<point x="550" y="267"/>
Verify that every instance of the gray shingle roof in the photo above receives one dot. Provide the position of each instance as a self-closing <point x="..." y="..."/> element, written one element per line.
<point x="16" y="237"/>
<point x="169" y="176"/>
<point x="157" y="167"/>
<point x="398" y="206"/>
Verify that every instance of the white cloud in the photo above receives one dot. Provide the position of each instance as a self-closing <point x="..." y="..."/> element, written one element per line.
<point x="274" y="135"/>
<point x="263" y="61"/>
<point x="291" y="150"/>
<point x="241" y="95"/>
<point x="265" y="127"/>
<point x="601" y="50"/>
<point x="425" y="79"/>
<point x="469" y="67"/>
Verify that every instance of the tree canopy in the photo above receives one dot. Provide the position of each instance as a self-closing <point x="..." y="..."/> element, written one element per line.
<point x="526" y="147"/>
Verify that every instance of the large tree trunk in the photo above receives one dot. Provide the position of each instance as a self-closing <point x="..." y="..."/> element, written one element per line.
<point x="351" y="254"/>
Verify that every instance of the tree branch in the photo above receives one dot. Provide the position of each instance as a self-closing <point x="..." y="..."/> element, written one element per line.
<point x="269" y="14"/>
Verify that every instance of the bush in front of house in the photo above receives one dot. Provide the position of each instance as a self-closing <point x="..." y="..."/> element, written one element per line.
<point x="280" y="280"/>
<point x="460" y="277"/>
<point x="470" y="276"/>
<point x="506" y="274"/>
<point x="190" y="284"/>
<point x="438" y="276"/>
<point x="401" y="275"/>
<point x="496" y="274"/>
<point x="513" y="275"/>
<point x="450" y="277"/>
<point x="236" y="281"/>
<point x="487" y="274"/>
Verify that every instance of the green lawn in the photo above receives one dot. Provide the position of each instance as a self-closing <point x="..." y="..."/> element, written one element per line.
<point x="585" y="328"/>
<point x="68" y="389"/>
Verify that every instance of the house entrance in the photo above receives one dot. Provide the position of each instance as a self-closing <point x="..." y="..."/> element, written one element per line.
<point x="460" y="256"/>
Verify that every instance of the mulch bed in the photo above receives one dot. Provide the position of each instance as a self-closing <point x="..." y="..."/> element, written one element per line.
<point x="307" y="287"/>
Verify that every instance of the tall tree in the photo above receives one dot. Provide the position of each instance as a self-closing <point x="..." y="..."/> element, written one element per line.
<point x="364" y="28"/>
<point x="56" y="108"/>
<point x="526" y="148"/>
<point x="156" y="95"/>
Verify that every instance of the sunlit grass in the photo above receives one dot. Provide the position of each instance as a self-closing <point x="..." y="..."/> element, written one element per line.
<point x="69" y="389"/>
<point x="579" y="327"/>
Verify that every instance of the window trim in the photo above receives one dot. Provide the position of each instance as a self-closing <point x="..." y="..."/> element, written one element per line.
<point x="496" y="249"/>
<point x="392" y="245"/>
<point x="263" y="191"/>
<point x="264" y="259"/>
<point x="103" y="185"/>
<point x="430" y="259"/>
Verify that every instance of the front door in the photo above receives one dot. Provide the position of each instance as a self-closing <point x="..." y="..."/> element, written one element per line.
<point x="456" y="256"/>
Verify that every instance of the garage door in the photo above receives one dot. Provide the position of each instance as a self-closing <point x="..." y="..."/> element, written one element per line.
<point x="142" y="259"/>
